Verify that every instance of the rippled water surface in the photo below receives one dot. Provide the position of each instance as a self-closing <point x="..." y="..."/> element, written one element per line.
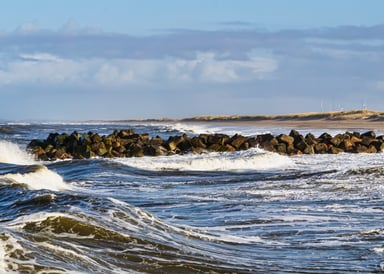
<point x="240" y="212"/>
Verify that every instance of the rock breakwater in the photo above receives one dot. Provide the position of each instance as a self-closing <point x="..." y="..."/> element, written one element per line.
<point x="127" y="143"/>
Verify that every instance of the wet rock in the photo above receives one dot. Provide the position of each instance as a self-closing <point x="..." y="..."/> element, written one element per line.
<point x="361" y="149"/>
<point x="288" y="140"/>
<point x="310" y="139"/>
<point x="320" y="148"/>
<point x="304" y="147"/>
<point x="185" y="145"/>
<point x="197" y="142"/>
<point x="347" y="145"/>
<point x="156" y="141"/>
<point x="264" y="138"/>
<point x="281" y="148"/>
<point x="295" y="134"/>
<point x="125" y="133"/>
<point x="370" y="134"/>
<point x="237" y="141"/>
<point x="228" y="147"/>
<point x="334" y="150"/>
<point x="291" y="150"/>
<point x="325" y="138"/>
<point x="174" y="141"/>
<point x="126" y="143"/>
<point x="336" y="140"/>
<point x="220" y="139"/>
<point x="100" y="149"/>
<point x="155" y="150"/>
<point x="367" y="141"/>
<point x="137" y="150"/>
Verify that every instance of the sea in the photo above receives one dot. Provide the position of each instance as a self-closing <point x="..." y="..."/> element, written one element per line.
<point x="249" y="211"/>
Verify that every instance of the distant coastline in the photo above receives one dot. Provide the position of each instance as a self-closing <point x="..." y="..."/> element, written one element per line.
<point x="368" y="115"/>
<point x="352" y="119"/>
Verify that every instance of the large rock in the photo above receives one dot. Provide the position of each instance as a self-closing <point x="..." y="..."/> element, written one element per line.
<point x="126" y="143"/>
<point x="320" y="148"/>
<point x="370" y="134"/>
<point x="174" y="141"/>
<point x="220" y="139"/>
<point x="197" y="142"/>
<point x="237" y="141"/>
<point x="310" y="139"/>
<point x="288" y="140"/>
<point x="334" y="150"/>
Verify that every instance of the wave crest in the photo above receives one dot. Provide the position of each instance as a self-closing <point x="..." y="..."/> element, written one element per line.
<point x="252" y="159"/>
<point x="11" y="153"/>
<point x="35" y="177"/>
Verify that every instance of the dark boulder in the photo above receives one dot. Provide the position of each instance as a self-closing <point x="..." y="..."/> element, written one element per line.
<point x="320" y="148"/>
<point x="126" y="143"/>
<point x="288" y="140"/>
<point x="237" y="141"/>
<point x="370" y="134"/>
<point x="197" y="142"/>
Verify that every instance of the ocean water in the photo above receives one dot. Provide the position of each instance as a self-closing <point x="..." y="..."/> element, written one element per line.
<point x="241" y="212"/>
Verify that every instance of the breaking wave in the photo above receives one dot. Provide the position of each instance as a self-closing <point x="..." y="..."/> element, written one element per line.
<point x="11" y="153"/>
<point x="118" y="237"/>
<point x="18" y="167"/>
<point x="252" y="159"/>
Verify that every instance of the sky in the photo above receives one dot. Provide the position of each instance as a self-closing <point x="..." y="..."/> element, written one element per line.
<point x="126" y="59"/>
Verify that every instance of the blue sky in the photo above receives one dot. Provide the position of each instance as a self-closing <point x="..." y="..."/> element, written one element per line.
<point x="120" y="59"/>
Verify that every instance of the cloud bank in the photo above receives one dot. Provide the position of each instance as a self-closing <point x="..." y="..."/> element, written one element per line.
<point x="189" y="72"/>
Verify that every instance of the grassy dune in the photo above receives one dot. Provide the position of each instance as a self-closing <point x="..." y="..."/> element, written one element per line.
<point x="366" y="115"/>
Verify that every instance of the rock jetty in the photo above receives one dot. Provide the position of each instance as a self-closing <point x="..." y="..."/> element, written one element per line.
<point x="127" y="143"/>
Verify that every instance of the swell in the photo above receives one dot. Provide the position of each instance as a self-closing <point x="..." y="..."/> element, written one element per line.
<point x="374" y="170"/>
<point x="116" y="237"/>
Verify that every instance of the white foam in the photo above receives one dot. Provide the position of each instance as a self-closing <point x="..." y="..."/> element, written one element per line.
<point x="378" y="249"/>
<point x="162" y="230"/>
<point x="252" y="159"/>
<point x="3" y="264"/>
<point x="40" y="178"/>
<point x="19" y="222"/>
<point x="9" y="245"/>
<point x="216" y="128"/>
<point x="11" y="153"/>
<point x="342" y="161"/>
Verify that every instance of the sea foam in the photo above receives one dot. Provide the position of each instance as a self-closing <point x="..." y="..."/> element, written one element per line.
<point x="38" y="178"/>
<point x="252" y="159"/>
<point x="11" y="153"/>
<point x="31" y="174"/>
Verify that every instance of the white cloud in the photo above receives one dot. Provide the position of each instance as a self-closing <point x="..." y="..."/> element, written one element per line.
<point x="211" y="69"/>
<point x="41" y="69"/>
<point x="236" y="66"/>
<point x="44" y="68"/>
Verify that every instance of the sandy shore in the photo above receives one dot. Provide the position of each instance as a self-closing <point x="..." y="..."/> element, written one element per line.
<point x="346" y="120"/>
<point x="359" y="124"/>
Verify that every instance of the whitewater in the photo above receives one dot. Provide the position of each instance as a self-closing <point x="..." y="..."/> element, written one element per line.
<point x="248" y="211"/>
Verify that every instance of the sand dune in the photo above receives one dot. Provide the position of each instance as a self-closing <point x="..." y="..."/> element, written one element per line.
<point x="350" y="120"/>
<point x="340" y="115"/>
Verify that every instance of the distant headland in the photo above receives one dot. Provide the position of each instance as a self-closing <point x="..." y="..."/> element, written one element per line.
<point x="351" y="119"/>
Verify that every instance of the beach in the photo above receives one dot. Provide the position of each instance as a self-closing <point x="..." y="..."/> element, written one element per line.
<point x="344" y="120"/>
<point x="358" y="124"/>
